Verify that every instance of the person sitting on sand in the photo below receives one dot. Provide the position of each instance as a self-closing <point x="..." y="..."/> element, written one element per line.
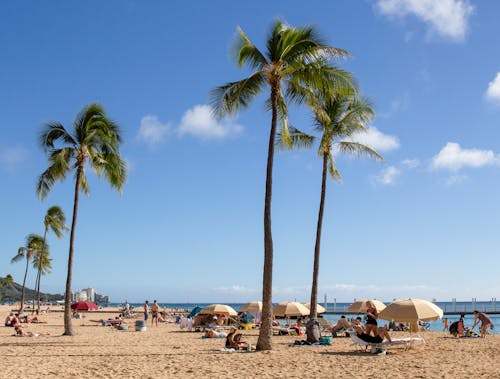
<point x="457" y="327"/>
<point x="20" y="332"/>
<point x="234" y="341"/>
<point x="485" y="322"/>
<point x="8" y="320"/>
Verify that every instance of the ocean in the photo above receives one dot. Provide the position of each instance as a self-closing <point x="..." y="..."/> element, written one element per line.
<point x="451" y="306"/>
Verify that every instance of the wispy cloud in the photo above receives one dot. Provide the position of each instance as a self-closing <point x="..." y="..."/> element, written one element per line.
<point x="387" y="176"/>
<point x="396" y="105"/>
<point x="456" y="179"/>
<point x="376" y="139"/>
<point x="410" y="163"/>
<point x="493" y="91"/>
<point x="152" y="131"/>
<point x="452" y="157"/>
<point x="200" y="122"/>
<point x="446" y="18"/>
<point x="11" y="158"/>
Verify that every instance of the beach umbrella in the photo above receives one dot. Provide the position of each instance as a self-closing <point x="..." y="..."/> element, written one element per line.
<point x="319" y="308"/>
<point x="290" y="309"/>
<point x="252" y="307"/>
<point x="411" y="310"/>
<point x="360" y="306"/>
<point x="194" y="311"/>
<point x="218" y="309"/>
<point x="84" y="306"/>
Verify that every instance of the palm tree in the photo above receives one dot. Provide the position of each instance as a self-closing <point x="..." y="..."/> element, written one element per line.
<point x="6" y="282"/>
<point x="337" y="118"/>
<point x="34" y="245"/>
<point x="95" y="142"/>
<point x="55" y="220"/>
<point x="295" y="57"/>
<point x="43" y="264"/>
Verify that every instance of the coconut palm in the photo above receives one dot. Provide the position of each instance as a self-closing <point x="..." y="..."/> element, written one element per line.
<point x="295" y="58"/>
<point x="56" y="220"/>
<point x="6" y="282"/>
<point x="34" y="245"/>
<point x="43" y="265"/>
<point x="94" y="142"/>
<point x="337" y="118"/>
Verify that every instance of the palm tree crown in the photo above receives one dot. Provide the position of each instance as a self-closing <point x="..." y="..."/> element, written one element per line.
<point x="94" y="141"/>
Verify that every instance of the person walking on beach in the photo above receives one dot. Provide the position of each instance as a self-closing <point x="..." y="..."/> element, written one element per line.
<point x="445" y="324"/>
<point x="146" y="310"/>
<point x="154" y="312"/>
<point x="485" y="322"/>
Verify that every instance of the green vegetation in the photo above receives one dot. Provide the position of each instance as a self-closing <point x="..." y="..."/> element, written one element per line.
<point x="12" y="292"/>
<point x="94" y="141"/>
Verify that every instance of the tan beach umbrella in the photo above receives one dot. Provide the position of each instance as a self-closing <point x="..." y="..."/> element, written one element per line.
<point x="411" y="310"/>
<point x="218" y="309"/>
<point x="360" y="306"/>
<point x="252" y="307"/>
<point x="319" y="308"/>
<point x="290" y="308"/>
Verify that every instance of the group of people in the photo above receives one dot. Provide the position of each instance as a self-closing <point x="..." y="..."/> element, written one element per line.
<point x="458" y="329"/>
<point x="157" y="315"/>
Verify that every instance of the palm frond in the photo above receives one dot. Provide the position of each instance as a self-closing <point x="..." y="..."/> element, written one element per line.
<point x="60" y="165"/>
<point x="332" y="168"/>
<point x="358" y="149"/>
<point x="295" y="139"/>
<point x="227" y="99"/>
<point x="55" y="220"/>
<point x="246" y="52"/>
<point x="53" y="132"/>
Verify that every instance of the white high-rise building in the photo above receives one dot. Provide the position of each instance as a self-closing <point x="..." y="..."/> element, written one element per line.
<point x="90" y="294"/>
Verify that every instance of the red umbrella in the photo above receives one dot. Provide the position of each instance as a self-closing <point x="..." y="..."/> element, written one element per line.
<point x="84" y="306"/>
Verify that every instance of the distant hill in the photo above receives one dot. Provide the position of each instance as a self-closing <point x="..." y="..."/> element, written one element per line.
<point x="13" y="293"/>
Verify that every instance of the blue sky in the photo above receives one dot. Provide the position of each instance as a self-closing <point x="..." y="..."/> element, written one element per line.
<point x="188" y="226"/>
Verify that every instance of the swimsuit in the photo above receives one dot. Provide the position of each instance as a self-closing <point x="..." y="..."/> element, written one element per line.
<point x="371" y="320"/>
<point x="368" y="338"/>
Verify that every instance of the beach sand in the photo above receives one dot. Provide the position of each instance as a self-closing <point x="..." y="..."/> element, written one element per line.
<point x="167" y="352"/>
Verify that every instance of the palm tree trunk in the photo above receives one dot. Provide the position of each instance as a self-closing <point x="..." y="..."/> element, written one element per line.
<point x="68" y="327"/>
<point x="314" y="287"/>
<point x="265" y="335"/>
<point x="40" y="273"/>
<point x="24" y="284"/>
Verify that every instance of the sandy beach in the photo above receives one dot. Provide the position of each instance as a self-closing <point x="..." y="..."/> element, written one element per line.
<point x="167" y="352"/>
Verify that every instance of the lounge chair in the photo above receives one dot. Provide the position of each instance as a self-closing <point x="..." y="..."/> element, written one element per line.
<point x="405" y="343"/>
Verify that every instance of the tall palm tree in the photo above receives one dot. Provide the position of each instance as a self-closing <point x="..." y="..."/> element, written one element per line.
<point x="337" y="118"/>
<point x="55" y="220"/>
<point x="94" y="141"/>
<point x="34" y="245"/>
<point x="294" y="58"/>
<point x="43" y="265"/>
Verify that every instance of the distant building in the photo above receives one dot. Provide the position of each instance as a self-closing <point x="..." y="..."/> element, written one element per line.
<point x="89" y="294"/>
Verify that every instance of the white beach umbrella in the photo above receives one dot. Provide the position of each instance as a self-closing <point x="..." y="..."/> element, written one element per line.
<point x="290" y="309"/>
<point x="252" y="307"/>
<point x="319" y="308"/>
<point x="218" y="309"/>
<point x="411" y="310"/>
<point x="361" y="306"/>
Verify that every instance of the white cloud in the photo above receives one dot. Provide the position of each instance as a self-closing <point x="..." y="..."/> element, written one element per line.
<point x="11" y="158"/>
<point x="152" y="131"/>
<point x="376" y="139"/>
<point x="447" y="18"/>
<point x="493" y="91"/>
<point x="410" y="163"/>
<point x="387" y="176"/>
<point x="200" y="122"/>
<point x="452" y="157"/>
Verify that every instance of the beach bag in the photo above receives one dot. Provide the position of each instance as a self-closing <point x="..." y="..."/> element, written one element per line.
<point x="325" y="340"/>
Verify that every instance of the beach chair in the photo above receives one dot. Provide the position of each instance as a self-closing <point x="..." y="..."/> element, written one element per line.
<point x="405" y="343"/>
<point x="325" y="326"/>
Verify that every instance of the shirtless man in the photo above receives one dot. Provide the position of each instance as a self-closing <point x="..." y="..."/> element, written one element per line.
<point x="155" y="309"/>
<point x="146" y="310"/>
<point x="485" y="322"/>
